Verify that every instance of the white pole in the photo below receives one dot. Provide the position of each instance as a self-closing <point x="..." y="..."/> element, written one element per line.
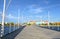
<point x="22" y="19"/>
<point x="48" y="19"/>
<point x="41" y="20"/>
<point x="2" y="33"/>
<point x="18" y="18"/>
<point x="8" y="4"/>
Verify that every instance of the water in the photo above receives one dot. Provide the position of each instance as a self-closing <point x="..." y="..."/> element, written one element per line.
<point x="56" y="28"/>
<point x="8" y="29"/>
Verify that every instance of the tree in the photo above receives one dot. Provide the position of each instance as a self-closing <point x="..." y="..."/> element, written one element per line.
<point x="12" y="23"/>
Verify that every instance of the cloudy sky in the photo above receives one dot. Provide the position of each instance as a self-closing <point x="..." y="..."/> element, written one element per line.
<point x="28" y="10"/>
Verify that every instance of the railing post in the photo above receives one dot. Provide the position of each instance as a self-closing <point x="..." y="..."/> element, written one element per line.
<point x="14" y="27"/>
<point x="10" y="28"/>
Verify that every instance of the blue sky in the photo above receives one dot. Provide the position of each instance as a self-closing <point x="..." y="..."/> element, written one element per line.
<point x="31" y="10"/>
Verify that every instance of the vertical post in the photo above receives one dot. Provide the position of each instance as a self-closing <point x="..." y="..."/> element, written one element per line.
<point x="58" y="27"/>
<point x="18" y="18"/>
<point x="22" y="19"/>
<point x="2" y="30"/>
<point x="14" y="27"/>
<point x="41" y="20"/>
<point x="48" y="19"/>
<point x="10" y="28"/>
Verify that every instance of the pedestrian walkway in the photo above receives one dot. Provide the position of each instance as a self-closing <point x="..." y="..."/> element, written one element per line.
<point x="35" y="32"/>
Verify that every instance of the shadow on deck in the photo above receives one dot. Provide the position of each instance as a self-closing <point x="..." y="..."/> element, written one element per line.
<point x="13" y="34"/>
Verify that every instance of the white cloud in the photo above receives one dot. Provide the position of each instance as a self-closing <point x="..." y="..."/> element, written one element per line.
<point x="33" y="9"/>
<point x="37" y="10"/>
<point x="10" y="16"/>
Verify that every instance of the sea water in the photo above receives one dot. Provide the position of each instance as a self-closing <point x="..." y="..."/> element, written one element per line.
<point x="8" y="29"/>
<point x="56" y="28"/>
